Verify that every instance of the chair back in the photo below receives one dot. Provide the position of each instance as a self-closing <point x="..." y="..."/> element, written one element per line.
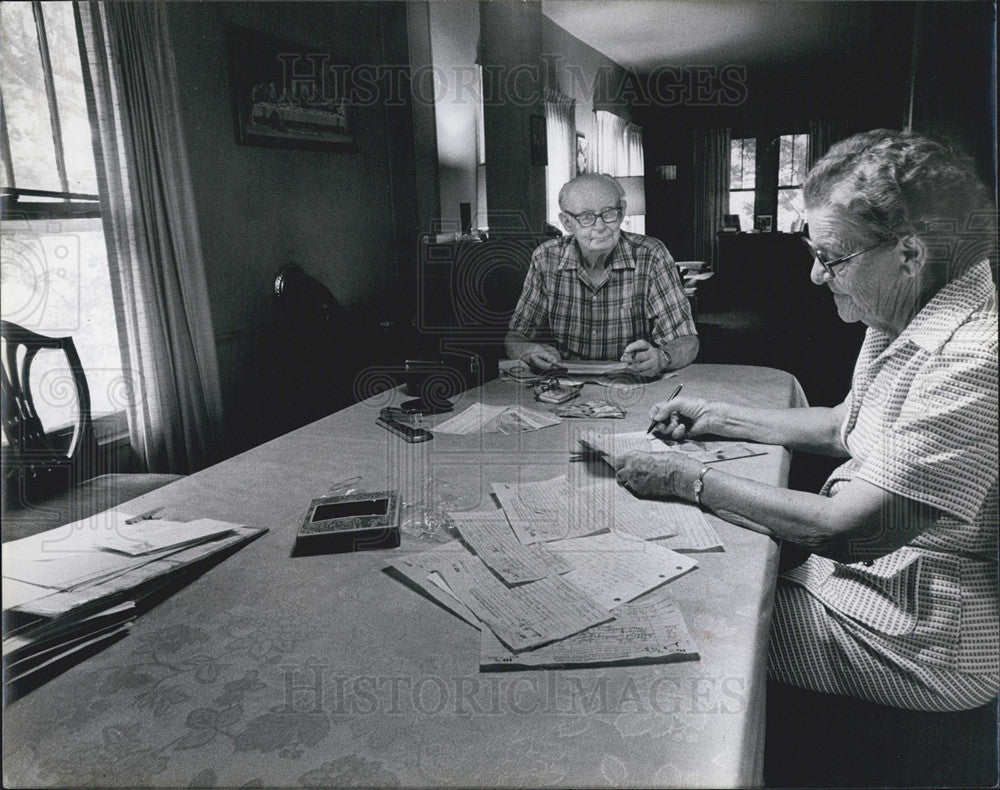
<point x="32" y="455"/>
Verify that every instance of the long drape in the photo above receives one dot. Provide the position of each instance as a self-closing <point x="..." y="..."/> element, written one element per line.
<point x="823" y="134"/>
<point x="560" y="130"/>
<point x="150" y="223"/>
<point x="711" y="191"/>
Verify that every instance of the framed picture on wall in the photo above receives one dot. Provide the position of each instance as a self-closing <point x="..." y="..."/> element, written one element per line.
<point x="763" y="223"/>
<point x="582" y="154"/>
<point x="287" y="95"/>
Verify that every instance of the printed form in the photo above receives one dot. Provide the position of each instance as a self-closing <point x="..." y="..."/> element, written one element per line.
<point x="646" y="630"/>
<point x="677" y="525"/>
<point x="547" y="510"/>
<point x="528" y="615"/>
<point x="613" y="569"/>
<point x="488" y="533"/>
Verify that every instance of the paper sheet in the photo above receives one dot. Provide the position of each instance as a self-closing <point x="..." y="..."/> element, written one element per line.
<point x="650" y="629"/>
<point x="152" y="535"/>
<point x="524" y="616"/>
<point x="591" y="367"/>
<point x="547" y="510"/>
<point x="612" y="569"/>
<point x="615" y="445"/>
<point x="490" y="536"/>
<point x="481" y="418"/>
<point x="418" y="567"/>
<point x="652" y="519"/>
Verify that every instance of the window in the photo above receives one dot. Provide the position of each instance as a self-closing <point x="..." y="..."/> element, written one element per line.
<point x="54" y="273"/>
<point x="791" y="175"/>
<point x="742" y="180"/>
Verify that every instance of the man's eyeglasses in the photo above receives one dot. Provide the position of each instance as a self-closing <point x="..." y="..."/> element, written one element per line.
<point x="587" y="218"/>
<point x="827" y="264"/>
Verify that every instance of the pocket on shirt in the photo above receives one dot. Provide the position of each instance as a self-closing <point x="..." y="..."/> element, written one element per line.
<point x="883" y="596"/>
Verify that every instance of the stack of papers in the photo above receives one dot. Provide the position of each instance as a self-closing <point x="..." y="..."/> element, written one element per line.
<point x="481" y="418"/>
<point x="71" y="591"/>
<point x="546" y="591"/>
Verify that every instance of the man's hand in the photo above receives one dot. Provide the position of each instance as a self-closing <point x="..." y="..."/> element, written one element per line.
<point x="680" y="418"/>
<point x="645" y="359"/>
<point x="659" y="474"/>
<point x="541" y="357"/>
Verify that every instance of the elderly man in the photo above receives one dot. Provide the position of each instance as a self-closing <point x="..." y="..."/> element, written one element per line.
<point x="600" y="293"/>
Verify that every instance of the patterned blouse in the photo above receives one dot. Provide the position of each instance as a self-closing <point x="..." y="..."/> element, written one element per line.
<point x="922" y="423"/>
<point x="639" y="296"/>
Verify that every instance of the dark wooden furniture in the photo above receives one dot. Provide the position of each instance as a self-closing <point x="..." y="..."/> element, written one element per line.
<point x="51" y="478"/>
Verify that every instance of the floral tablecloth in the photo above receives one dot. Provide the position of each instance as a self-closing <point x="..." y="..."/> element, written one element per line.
<point x="271" y="670"/>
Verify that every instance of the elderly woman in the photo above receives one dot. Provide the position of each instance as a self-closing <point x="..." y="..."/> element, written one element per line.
<point x="897" y="602"/>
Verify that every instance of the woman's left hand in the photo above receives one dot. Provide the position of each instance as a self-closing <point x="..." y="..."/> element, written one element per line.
<point x="659" y="474"/>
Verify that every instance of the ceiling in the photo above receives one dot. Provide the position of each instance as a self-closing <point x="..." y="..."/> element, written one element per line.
<point x="786" y="34"/>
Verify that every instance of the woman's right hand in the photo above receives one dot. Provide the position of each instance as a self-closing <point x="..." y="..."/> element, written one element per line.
<point x="680" y="418"/>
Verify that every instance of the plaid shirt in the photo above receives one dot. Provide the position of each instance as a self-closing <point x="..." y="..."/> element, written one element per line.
<point x="638" y="296"/>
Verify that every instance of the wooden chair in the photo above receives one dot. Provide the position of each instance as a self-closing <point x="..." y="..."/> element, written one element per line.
<point x="52" y="478"/>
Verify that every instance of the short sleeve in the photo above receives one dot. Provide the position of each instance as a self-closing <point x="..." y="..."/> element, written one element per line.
<point x="940" y="444"/>
<point x="530" y="317"/>
<point x="667" y="305"/>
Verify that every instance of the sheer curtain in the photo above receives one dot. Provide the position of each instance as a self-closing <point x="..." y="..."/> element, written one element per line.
<point x="711" y="191"/>
<point x="635" y="166"/>
<point x="154" y="254"/>
<point x="610" y="152"/>
<point x="560" y="132"/>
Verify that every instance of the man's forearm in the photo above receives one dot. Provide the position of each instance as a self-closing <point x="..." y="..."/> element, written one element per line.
<point x="681" y="351"/>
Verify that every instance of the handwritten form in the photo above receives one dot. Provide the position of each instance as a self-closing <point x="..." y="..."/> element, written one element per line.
<point x="648" y="629"/>
<point x="612" y="569"/>
<point x="490" y="536"/>
<point x="547" y="510"/>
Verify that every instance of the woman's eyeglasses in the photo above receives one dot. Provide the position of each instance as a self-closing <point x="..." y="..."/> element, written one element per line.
<point x="587" y="218"/>
<point x="828" y="264"/>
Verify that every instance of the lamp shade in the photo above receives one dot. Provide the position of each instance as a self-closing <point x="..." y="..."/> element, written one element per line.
<point x="635" y="194"/>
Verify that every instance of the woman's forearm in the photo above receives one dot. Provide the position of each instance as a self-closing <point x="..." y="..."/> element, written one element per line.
<point x="814" y="430"/>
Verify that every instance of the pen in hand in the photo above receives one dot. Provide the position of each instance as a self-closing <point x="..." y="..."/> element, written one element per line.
<point x="677" y="391"/>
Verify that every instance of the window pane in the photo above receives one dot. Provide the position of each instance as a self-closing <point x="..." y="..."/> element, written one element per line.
<point x="742" y="204"/>
<point x="55" y="282"/>
<point x="742" y="163"/>
<point x="791" y="207"/>
<point x="792" y="160"/>
<point x="25" y="106"/>
<point x="60" y="29"/>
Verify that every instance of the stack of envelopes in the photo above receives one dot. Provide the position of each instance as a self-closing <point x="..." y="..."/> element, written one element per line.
<point x="560" y="577"/>
<point x="73" y="590"/>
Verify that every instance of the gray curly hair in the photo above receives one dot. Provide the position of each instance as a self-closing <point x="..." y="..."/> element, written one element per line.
<point x="903" y="183"/>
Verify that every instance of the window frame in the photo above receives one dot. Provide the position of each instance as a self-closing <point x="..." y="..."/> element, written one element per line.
<point x="26" y="204"/>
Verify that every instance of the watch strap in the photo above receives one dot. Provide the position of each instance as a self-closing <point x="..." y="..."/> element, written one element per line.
<point x="699" y="485"/>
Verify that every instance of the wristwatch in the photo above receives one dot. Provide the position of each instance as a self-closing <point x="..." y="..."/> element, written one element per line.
<point x="699" y="485"/>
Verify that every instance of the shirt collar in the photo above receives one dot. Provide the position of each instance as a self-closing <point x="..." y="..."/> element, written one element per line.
<point x="949" y="308"/>
<point x="623" y="256"/>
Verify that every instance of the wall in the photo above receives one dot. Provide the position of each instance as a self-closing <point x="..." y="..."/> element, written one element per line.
<point x="340" y="216"/>
<point x="454" y="28"/>
<point x="575" y="68"/>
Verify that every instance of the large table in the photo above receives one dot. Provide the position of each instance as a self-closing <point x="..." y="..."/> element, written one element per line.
<point x="277" y="671"/>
